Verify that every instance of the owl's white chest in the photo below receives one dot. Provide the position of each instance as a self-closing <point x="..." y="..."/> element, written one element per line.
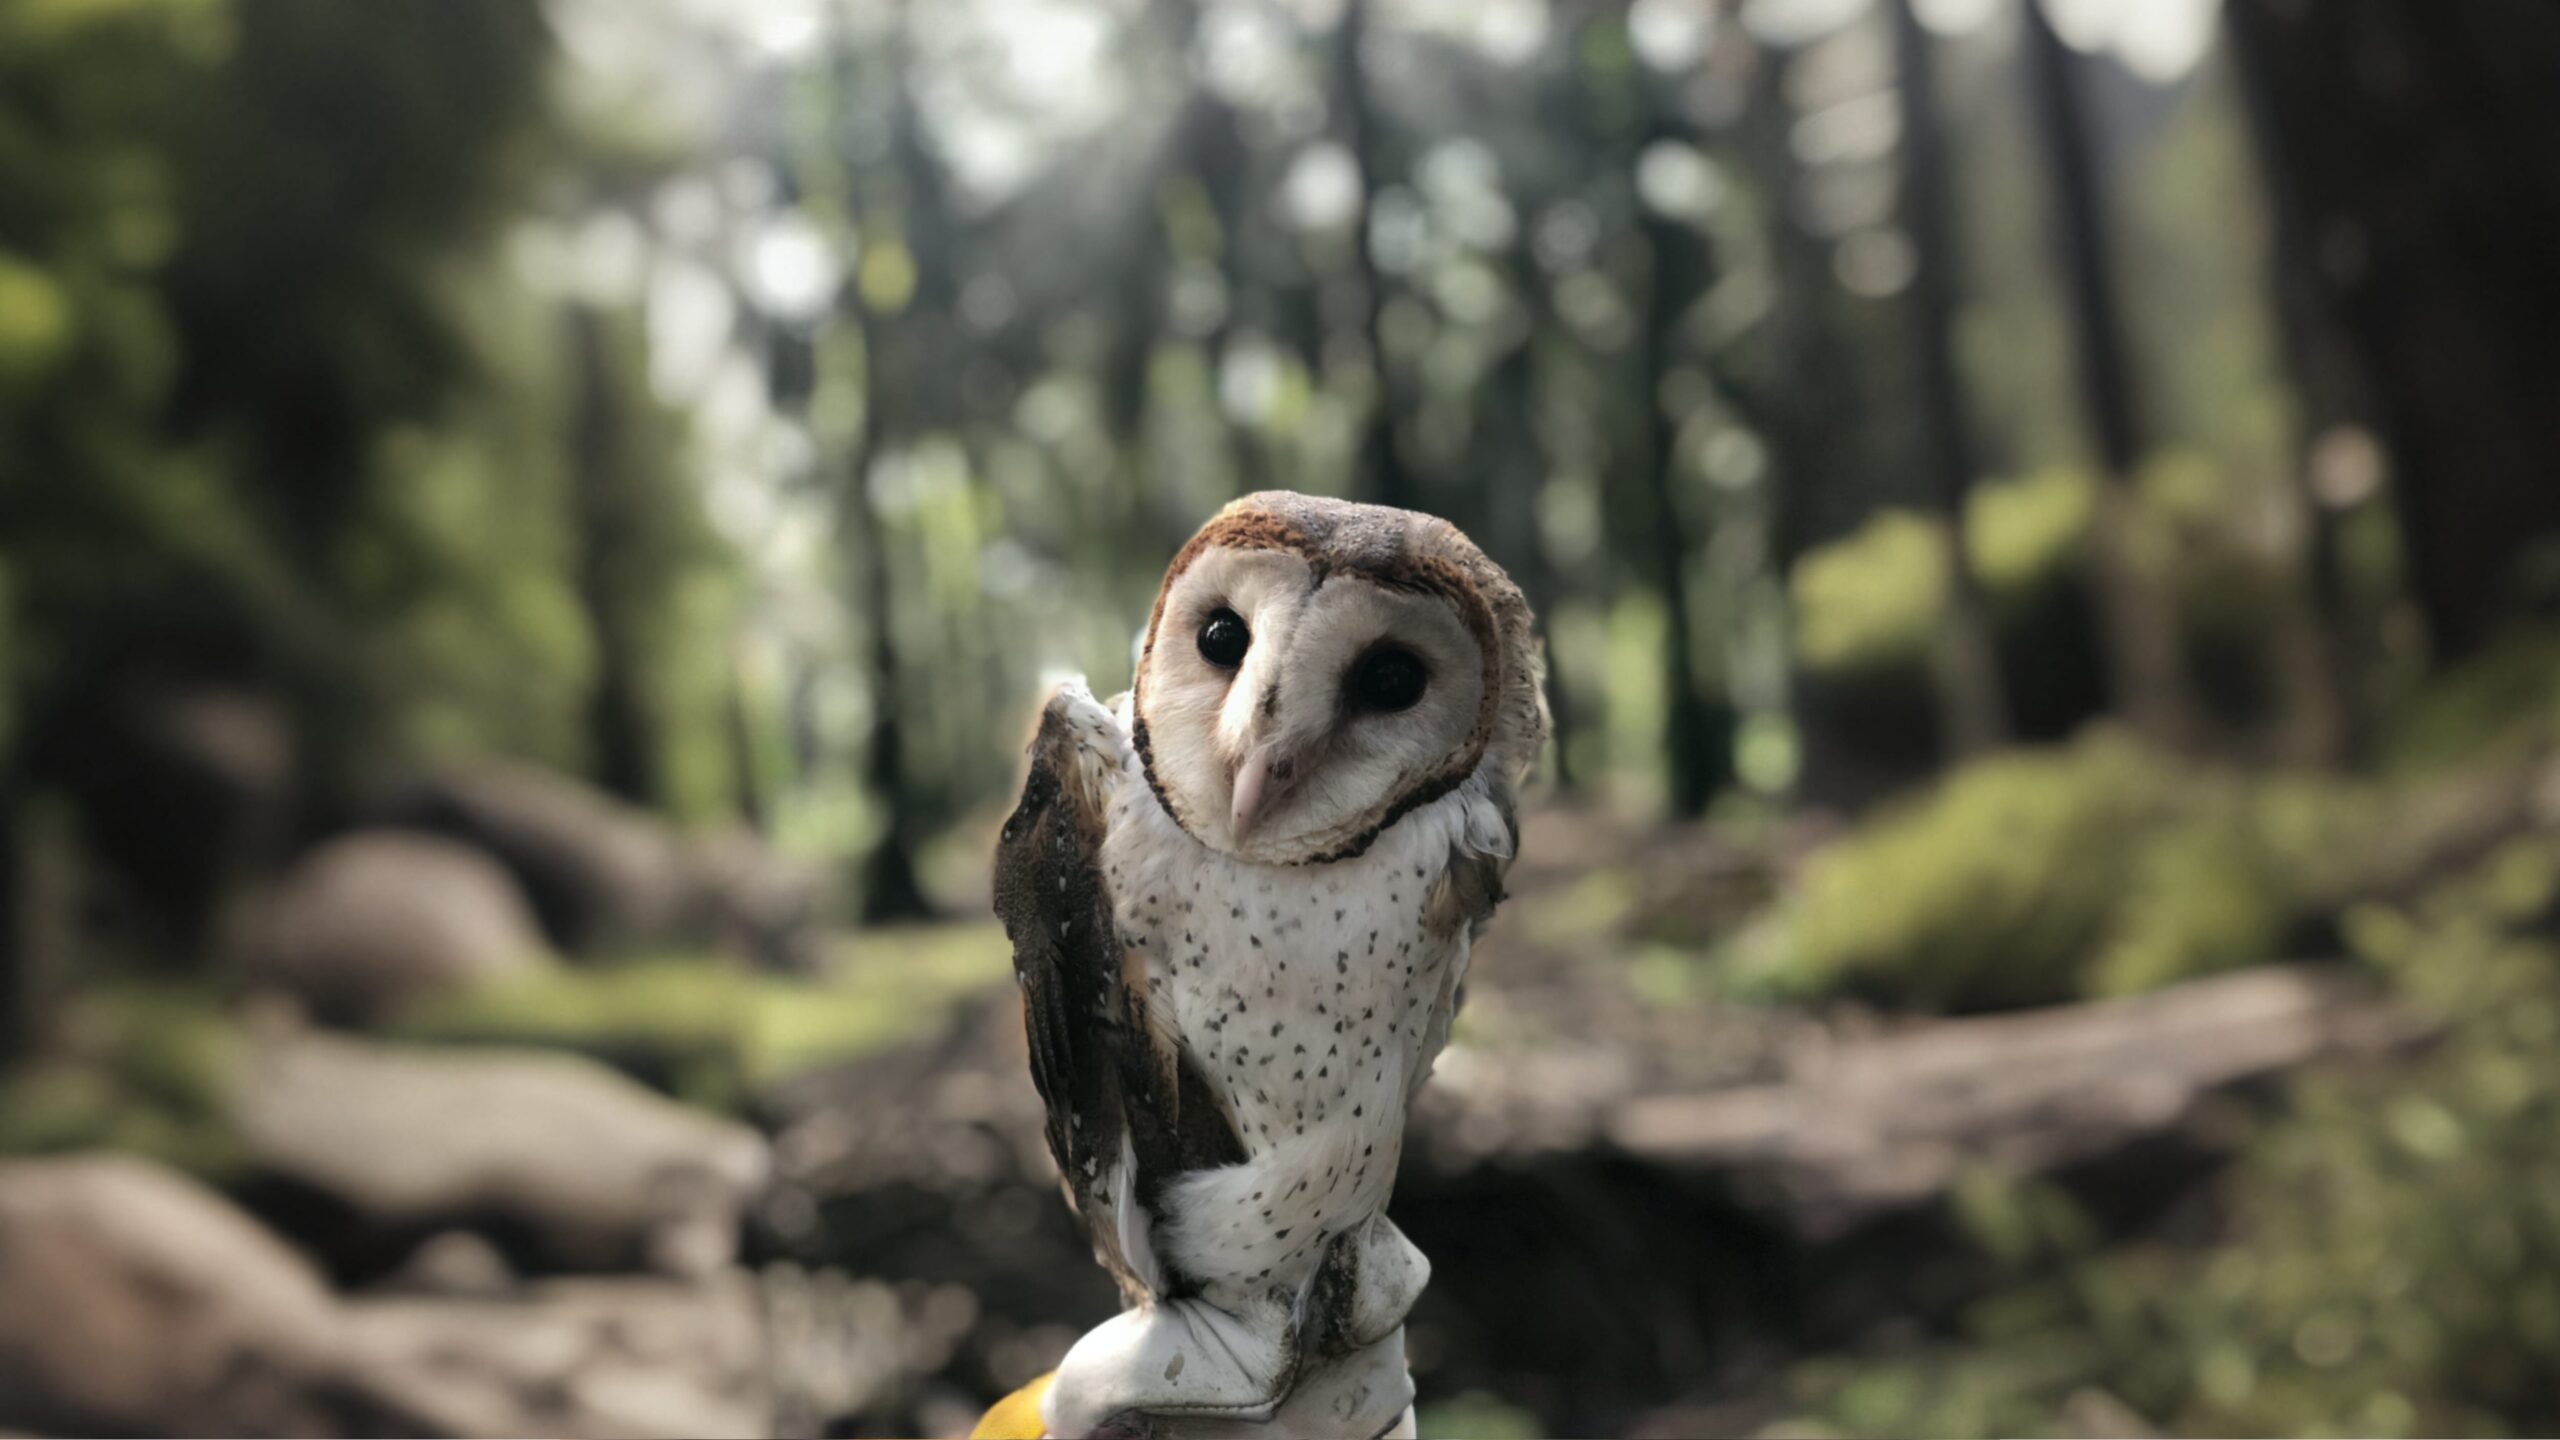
<point x="1312" y="997"/>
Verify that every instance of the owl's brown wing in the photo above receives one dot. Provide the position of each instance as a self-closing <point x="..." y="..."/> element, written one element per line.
<point x="1050" y="895"/>
<point x="1121" y="1092"/>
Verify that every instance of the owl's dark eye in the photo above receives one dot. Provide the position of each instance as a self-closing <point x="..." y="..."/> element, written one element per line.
<point x="1223" y="639"/>
<point x="1389" y="679"/>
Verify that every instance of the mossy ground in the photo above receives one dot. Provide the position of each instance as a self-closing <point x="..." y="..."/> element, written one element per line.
<point x="145" y="1068"/>
<point x="715" y="1033"/>
<point x="2037" y="876"/>
<point x="149" y="1067"/>
<point x="2381" y="1255"/>
<point x="2385" y="1258"/>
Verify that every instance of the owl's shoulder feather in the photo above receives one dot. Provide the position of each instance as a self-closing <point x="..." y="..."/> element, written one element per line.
<point x="1056" y="909"/>
<point x="1115" y="1097"/>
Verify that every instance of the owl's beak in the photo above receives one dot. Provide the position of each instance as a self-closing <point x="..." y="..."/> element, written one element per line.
<point x="1269" y="773"/>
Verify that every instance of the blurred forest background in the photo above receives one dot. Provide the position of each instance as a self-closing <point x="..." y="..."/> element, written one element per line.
<point x="531" y="535"/>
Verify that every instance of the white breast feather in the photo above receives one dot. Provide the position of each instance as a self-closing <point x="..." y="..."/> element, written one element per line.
<point x="1314" y="998"/>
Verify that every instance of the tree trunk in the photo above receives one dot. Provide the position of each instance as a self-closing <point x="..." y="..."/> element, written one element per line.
<point x="1379" y="468"/>
<point x="888" y="878"/>
<point x="2416" y="142"/>
<point x="622" y="745"/>
<point x="2323" y="655"/>
<point x="1517" y="451"/>
<point x="18" y="1005"/>
<point x="1697" y="734"/>
<point x="2147" y="665"/>
<point x="1800" y="386"/>
<point x="1973" y="707"/>
<point x="1216" y="150"/>
<point x="747" y="774"/>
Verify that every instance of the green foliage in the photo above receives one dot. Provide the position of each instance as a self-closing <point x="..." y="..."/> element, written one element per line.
<point x="717" y="1034"/>
<point x="146" y="1069"/>
<point x="2244" y="857"/>
<point x="276" y="410"/>
<point x="213" y="310"/>
<point x="2399" y="1264"/>
<point x="2026" y="534"/>
<point x="1978" y="894"/>
<point x="2501" y="701"/>
<point x="2044" y="875"/>
<point x="35" y="325"/>
<point x="1475" y="1415"/>
<point x="2389" y="1262"/>
<point x="481" y="644"/>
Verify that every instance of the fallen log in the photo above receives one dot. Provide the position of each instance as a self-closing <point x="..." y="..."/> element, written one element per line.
<point x="1889" y="1121"/>
<point x="1856" y="1124"/>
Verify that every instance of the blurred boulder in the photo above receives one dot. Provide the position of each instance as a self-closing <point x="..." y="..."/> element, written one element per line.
<point x="371" y="920"/>
<point x="598" y="1170"/>
<point x="782" y="1352"/>
<point x="609" y="1357"/>
<point x="453" y="1262"/>
<point x="133" y="1301"/>
<point x="606" y="876"/>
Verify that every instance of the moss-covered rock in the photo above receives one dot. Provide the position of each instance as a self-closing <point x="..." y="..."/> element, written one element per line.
<point x="1867" y="607"/>
<point x="715" y="1033"/>
<point x="155" y="1069"/>
<point x="145" y="1069"/>
<point x="1869" y="600"/>
<point x="2100" y="867"/>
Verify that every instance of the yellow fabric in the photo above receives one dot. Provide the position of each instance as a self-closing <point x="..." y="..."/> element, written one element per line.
<point x="1016" y="1416"/>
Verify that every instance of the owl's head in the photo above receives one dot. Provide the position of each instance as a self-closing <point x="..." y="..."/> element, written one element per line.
<point x="1316" y="669"/>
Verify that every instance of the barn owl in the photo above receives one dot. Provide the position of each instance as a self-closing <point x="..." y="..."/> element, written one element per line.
<point x="1241" y="898"/>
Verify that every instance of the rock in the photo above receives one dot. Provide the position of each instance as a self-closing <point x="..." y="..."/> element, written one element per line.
<point x="783" y="1352"/>
<point x="453" y="1262"/>
<point x="604" y="876"/>
<point x="743" y="900"/>
<point x="606" y="1357"/>
<point x="601" y="1171"/>
<point x="372" y="920"/>
<point x="133" y="1301"/>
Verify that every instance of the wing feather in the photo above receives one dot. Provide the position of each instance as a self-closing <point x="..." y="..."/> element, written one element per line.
<point x="1122" y="1093"/>
<point x="1049" y="892"/>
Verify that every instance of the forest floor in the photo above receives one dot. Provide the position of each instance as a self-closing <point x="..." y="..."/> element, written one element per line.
<point x="1646" y="1205"/>
<point x="1659" y="1197"/>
